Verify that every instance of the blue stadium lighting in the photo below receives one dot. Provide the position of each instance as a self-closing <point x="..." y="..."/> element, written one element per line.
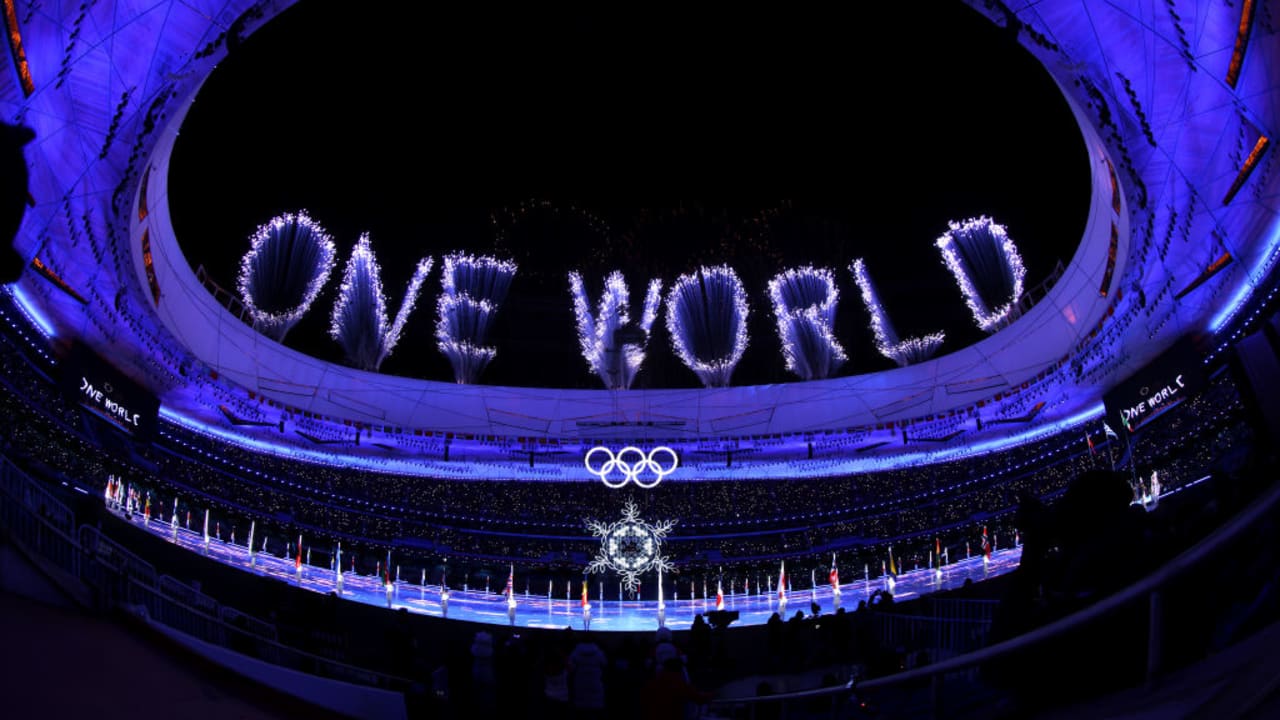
<point x="1267" y="260"/>
<point x="32" y="311"/>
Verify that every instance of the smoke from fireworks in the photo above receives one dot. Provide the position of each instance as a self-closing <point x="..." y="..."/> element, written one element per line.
<point x="473" y="288"/>
<point x="707" y="317"/>
<point x="804" y="303"/>
<point x="904" y="352"/>
<point x="359" y="321"/>
<point x="616" y="363"/>
<point x="290" y="259"/>
<point x="987" y="267"/>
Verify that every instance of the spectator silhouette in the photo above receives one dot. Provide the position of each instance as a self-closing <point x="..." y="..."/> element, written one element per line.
<point x="777" y="641"/>
<point x="668" y="693"/>
<point x="483" y="681"/>
<point x="587" y="664"/>
<point x="699" y="642"/>
<point x="1093" y="544"/>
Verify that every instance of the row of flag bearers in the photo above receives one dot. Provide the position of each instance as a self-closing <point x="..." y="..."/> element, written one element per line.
<point x="130" y="500"/>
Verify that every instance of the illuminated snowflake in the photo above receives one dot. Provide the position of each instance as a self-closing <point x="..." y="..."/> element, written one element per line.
<point x="630" y="546"/>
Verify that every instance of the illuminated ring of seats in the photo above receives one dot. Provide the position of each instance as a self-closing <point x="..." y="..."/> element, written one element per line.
<point x="631" y="471"/>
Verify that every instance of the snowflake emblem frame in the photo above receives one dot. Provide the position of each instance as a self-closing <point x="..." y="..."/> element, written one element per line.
<point x="630" y="546"/>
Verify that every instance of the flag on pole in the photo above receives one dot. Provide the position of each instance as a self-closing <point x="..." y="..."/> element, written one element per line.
<point x="206" y="526"/>
<point x="511" y="585"/>
<point x="782" y="581"/>
<point x="146" y="511"/>
<point x="719" y="596"/>
<point x="986" y="544"/>
<point x="833" y="577"/>
<point x="1111" y="434"/>
<point x="585" y="601"/>
<point x="1089" y="440"/>
<point x="252" y="524"/>
<point x="297" y="562"/>
<point x="893" y="571"/>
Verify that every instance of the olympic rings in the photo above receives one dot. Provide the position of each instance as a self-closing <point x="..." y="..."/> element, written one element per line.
<point x="631" y="462"/>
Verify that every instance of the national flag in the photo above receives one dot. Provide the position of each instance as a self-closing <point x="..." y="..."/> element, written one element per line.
<point x="719" y="596"/>
<point x="585" y="603"/>
<point x="206" y="526"/>
<point x="1089" y="440"/>
<point x="782" y="581"/>
<point x="1112" y="433"/>
<point x="510" y="592"/>
<point x="834" y="576"/>
<point x="297" y="562"/>
<point x="986" y="544"/>
<point x="106" y="495"/>
<point x="893" y="570"/>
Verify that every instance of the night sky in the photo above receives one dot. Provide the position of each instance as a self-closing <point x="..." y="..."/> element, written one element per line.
<point x="643" y="141"/>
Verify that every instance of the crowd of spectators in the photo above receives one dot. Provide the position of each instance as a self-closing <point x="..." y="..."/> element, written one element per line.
<point x="737" y="529"/>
